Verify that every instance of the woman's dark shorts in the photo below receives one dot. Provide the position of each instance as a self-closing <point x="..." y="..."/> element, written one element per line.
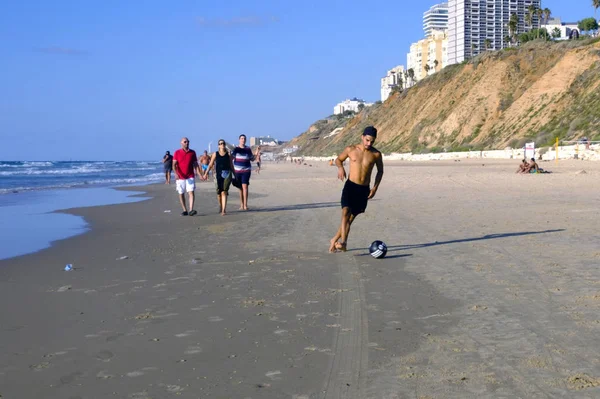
<point x="355" y="197"/>
<point x="223" y="181"/>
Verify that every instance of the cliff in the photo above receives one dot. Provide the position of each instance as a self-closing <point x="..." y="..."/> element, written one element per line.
<point x="536" y="92"/>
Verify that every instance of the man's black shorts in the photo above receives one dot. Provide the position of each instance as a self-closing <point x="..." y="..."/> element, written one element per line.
<point x="355" y="197"/>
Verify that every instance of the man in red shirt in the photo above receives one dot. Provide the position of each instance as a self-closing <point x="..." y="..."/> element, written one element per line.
<point x="185" y="163"/>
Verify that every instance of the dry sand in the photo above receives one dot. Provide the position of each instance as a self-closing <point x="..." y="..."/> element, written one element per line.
<point x="491" y="289"/>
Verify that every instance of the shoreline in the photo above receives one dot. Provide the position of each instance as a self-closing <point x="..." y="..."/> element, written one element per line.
<point x="33" y="221"/>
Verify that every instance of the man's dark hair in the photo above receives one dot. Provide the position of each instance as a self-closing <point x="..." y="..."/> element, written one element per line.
<point x="370" y="131"/>
<point x="242" y="135"/>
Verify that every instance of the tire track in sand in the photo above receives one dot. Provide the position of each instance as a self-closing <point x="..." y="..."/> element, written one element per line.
<point x="348" y="367"/>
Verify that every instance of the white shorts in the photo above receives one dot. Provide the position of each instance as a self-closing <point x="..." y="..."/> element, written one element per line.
<point x="188" y="185"/>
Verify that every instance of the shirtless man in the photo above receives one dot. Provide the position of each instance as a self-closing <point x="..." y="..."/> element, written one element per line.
<point x="357" y="189"/>
<point x="533" y="166"/>
<point x="523" y="167"/>
<point x="204" y="160"/>
<point x="257" y="159"/>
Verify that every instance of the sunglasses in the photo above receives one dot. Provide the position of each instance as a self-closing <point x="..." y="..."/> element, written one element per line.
<point x="186" y="141"/>
<point x="221" y="143"/>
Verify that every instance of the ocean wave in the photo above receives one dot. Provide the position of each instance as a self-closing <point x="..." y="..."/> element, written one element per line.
<point x="37" y="172"/>
<point x="73" y="171"/>
<point x="154" y="177"/>
<point x="37" y="163"/>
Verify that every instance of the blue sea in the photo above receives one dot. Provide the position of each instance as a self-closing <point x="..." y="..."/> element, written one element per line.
<point x="32" y="176"/>
<point x="30" y="192"/>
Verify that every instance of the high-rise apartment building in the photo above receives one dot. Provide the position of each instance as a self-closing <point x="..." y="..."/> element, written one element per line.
<point x="428" y="56"/>
<point x="475" y="26"/>
<point x="436" y="18"/>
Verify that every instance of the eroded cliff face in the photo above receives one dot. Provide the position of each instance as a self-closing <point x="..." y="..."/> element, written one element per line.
<point x="537" y="92"/>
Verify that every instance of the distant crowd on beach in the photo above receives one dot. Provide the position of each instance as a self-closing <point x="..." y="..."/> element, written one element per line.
<point x="227" y="167"/>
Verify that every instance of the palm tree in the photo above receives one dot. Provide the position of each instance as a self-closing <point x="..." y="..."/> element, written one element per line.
<point x="427" y="68"/>
<point x="596" y="5"/>
<point x="529" y="17"/>
<point x="411" y="75"/>
<point x="548" y="13"/>
<point x="540" y="14"/>
<point x="435" y="63"/>
<point x="513" y="24"/>
<point x="487" y="43"/>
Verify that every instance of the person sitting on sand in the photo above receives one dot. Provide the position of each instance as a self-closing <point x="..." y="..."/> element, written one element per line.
<point x="523" y="167"/>
<point x="533" y="167"/>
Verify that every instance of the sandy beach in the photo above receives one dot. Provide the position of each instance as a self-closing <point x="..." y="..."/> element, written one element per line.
<point x="490" y="289"/>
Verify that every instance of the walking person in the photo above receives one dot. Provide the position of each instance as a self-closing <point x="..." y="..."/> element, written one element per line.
<point x="257" y="156"/>
<point x="168" y="166"/>
<point x="357" y="191"/>
<point x="242" y="158"/>
<point x="223" y="164"/>
<point x="185" y="163"/>
<point x="204" y="160"/>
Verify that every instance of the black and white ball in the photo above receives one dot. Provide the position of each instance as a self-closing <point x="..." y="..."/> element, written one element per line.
<point x="378" y="249"/>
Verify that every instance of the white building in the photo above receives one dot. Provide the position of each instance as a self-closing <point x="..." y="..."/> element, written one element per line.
<point x="566" y="28"/>
<point x="473" y="23"/>
<point x="395" y="77"/>
<point x="291" y="149"/>
<point x="436" y="18"/>
<point x="349" y="105"/>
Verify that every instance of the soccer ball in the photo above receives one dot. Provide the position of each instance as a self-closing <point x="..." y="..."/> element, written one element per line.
<point x="378" y="249"/>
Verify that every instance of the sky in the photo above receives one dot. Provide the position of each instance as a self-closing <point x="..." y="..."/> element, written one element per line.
<point x="125" y="80"/>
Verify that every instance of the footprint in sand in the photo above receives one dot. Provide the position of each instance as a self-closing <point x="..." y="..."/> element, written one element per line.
<point x="274" y="375"/>
<point x="192" y="350"/>
<point x="49" y="355"/>
<point x="185" y="334"/>
<point x="67" y="379"/>
<point x="102" y="375"/>
<point x="40" y="366"/>
<point x="105" y="356"/>
<point x="114" y="337"/>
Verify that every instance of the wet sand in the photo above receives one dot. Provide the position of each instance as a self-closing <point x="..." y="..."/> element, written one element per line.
<point x="491" y="288"/>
